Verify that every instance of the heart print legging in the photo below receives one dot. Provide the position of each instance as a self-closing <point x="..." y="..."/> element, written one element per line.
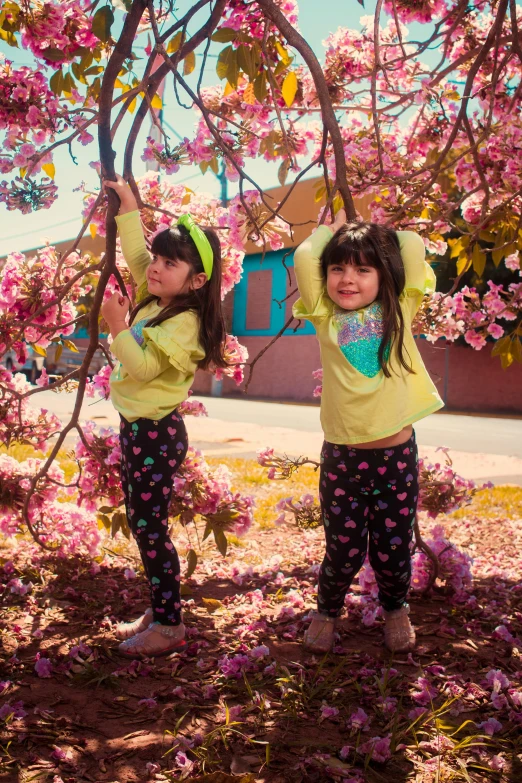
<point x="152" y="452"/>
<point x="369" y="501"/>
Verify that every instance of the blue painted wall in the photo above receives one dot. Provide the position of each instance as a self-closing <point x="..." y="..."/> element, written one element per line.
<point x="258" y="263"/>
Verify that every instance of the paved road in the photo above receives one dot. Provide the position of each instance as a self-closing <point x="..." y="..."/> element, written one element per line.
<point x="473" y="434"/>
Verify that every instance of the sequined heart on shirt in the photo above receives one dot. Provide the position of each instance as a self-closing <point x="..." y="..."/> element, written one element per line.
<point x="359" y="337"/>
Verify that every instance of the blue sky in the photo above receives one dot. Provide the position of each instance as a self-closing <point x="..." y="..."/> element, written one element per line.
<point x="63" y="219"/>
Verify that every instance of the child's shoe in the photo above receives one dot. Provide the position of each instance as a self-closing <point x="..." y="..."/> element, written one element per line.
<point x="154" y="642"/>
<point x="319" y="636"/>
<point x="126" y="630"/>
<point x="399" y="634"/>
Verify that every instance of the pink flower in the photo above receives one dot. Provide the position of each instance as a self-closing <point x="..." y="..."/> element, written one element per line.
<point x="328" y="712"/>
<point x="15" y="710"/>
<point x="475" y="339"/>
<point x="358" y="719"/>
<point x="43" y="666"/>
<point x="490" y="726"/>
<point x="495" y="331"/>
<point x="378" y="748"/>
<point x="497" y="680"/>
<point x="426" y="692"/>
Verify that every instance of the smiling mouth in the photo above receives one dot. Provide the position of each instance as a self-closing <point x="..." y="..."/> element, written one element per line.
<point x="348" y="293"/>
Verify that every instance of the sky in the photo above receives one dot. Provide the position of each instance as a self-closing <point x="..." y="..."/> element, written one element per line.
<point x="63" y="220"/>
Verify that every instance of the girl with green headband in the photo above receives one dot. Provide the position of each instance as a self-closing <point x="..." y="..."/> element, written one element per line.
<point x="176" y="327"/>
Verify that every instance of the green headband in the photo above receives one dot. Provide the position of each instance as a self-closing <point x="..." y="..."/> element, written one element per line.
<point x="200" y="240"/>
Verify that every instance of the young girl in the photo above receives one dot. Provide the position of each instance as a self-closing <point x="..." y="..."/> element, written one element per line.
<point x="176" y="327"/>
<point x="360" y="286"/>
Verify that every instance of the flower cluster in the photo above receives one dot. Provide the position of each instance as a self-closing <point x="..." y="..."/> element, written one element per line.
<point x="198" y="490"/>
<point x="57" y="31"/>
<point x="441" y="489"/>
<point x="20" y="421"/>
<point x="236" y="355"/>
<point x="96" y="482"/>
<point x="169" y="159"/>
<point x="31" y="293"/>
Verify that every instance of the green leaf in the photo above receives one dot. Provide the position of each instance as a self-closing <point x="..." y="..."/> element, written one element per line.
<point x="247" y="61"/>
<point x="119" y="520"/>
<point x="56" y="82"/>
<point x="478" y="258"/>
<point x="260" y="87"/>
<point x="86" y="60"/>
<point x="227" y="66"/>
<point x="225" y="35"/>
<point x="221" y="541"/>
<point x="94" y="69"/>
<point x="68" y="83"/>
<point x="54" y="55"/>
<point x="516" y="350"/>
<point x="76" y="69"/>
<point x="102" y="22"/>
<point x="282" y="173"/>
<point x="192" y="561"/>
<point x="501" y="345"/>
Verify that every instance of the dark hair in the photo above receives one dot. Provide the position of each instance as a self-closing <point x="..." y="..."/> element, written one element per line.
<point x="176" y="244"/>
<point x="368" y="244"/>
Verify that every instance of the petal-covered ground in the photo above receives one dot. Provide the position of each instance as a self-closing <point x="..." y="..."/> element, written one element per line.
<point x="245" y="702"/>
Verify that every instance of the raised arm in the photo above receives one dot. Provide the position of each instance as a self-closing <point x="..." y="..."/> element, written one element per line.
<point x="420" y="277"/>
<point x="307" y="265"/>
<point x="132" y="240"/>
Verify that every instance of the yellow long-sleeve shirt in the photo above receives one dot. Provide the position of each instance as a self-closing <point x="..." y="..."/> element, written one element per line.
<point x="359" y="403"/>
<point x="156" y="364"/>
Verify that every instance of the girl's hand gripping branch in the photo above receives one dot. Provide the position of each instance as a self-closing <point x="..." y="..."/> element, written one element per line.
<point x="127" y="201"/>
<point x="115" y="311"/>
<point x="340" y="220"/>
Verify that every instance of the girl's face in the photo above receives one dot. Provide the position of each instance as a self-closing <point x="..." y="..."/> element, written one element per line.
<point x="352" y="287"/>
<point x="167" y="278"/>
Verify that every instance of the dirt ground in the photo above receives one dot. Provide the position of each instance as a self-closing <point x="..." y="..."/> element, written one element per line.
<point x="244" y="702"/>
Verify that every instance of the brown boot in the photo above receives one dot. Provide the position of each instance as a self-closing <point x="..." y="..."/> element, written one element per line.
<point x="319" y="636"/>
<point x="399" y="634"/>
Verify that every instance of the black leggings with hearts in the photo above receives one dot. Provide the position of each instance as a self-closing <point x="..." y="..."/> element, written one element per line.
<point x="152" y="452"/>
<point x="368" y="501"/>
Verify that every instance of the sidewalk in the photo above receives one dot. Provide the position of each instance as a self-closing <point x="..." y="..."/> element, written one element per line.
<point x="482" y="448"/>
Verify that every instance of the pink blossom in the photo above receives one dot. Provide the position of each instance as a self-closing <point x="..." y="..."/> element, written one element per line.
<point x="378" y="748"/>
<point x="15" y="710"/>
<point x="426" y="692"/>
<point x="328" y="712"/>
<point x="43" y="666"/>
<point x="490" y="726"/>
